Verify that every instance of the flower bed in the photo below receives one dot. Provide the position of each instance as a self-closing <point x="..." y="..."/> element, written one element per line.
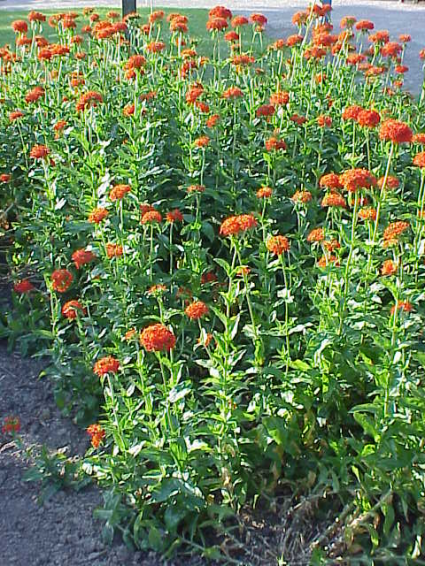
<point x="223" y="257"/>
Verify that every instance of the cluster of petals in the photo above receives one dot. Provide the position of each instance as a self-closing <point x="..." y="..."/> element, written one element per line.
<point x="234" y="225"/>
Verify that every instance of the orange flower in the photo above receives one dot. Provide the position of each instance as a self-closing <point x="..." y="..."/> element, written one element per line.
<point x="157" y="338"/>
<point x="334" y="200"/>
<point x="265" y="110"/>
<point x="389" y="267"/>
<point x="130" y="334"/>
<point x="5" y="178"/>
<point x="279" y="98"/>
<point x="207" y="341"/>
<point x="15" y="115"/>
<point x="212" y="121"/>
<point x="97" y="215"/>
<point x="36" y="17"/>
<point x="302" y="197"/>
<point x="327" y="260"/>
<point x="316" y="235"/>
<point x="232" y="92"/>
<point x="82" y="257"/>
<point x="239" y="21"/>
<point x="20" y="26"/>
<point x="157" y="289"/>
<point x="419" y="159"/>
<point x="24" y="286"/>
<point x="151" y="217"/>
<point x="34" y="94"/>
<point x="392" y="182"/>
<point x="368" y="118"/>
<point x="202" y="141"/>
<point x="118" y="192"/>
<point x="368" y="213"/>
<point x="264" y="192"/>
<point x="324" y="121"/>
<point x="61" y="280"/>
<point x="209" y="277"/>
<point x="405" y="306"/>
<point x="330" y="181"/>
<point x="114" y="250"/>
<point x="196" y="189"/>
<point x="88" y="100"/>
<point x="274" y="143"/>
<point x="105" y="365"/>
<point x="174" y="216"/>
<point x="234" y="225"/>
<point x="97" y="434"/>
<point x="11" y="425"/>
<point x="354" y="179"/>
<point x="258" y="19"/>
<point x="196" y="310"/>
<point x="70" y="309"/>
<point x="39" y="152"/>
<point x="364" y="25"/>
<point x="135" y="62"/>
<point x="351" y="112"/>
<point x="395" y="229"/>
<point x="419" y="138"/>
<point x="395" y="131"/>
<point x="217" y="24"/>
<point x="278" y="244"/>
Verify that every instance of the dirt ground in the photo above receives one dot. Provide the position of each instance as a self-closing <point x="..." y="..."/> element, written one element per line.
<point x="61" y="531"/>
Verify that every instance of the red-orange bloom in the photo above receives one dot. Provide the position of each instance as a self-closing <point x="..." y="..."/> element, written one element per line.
<point x="351" y="112"/>
<point x="196" y="310"/>
<point x="217" y="24"/>
<point x="157" y="338"/>
<point x="330" y="181"/>
<point x="174" y="216"/>
<point x="71" y="309"/>
<point x="61" y="280"/>
<point x="368" y="118"/>
<point x="278" y="244"/>
<point x="334" y="200"/>
<point x="274" y="143"/>
<point x="196" y="189"/>
<point x="405" y="306"/>
<point x="24" y="286"/>
<point x="302" y="197"/>
<point x="419" y="159"/>
<point x="105" y="365"/>
<point x="39" y="152"/>
<point x="368" y="213"/>
<point x="15" y="115"/>
<point x="324" y="121"/>
<point x="232" y="92"/>
<point x="88" y="100"/>
<point x="391" y="183"/>
<point x="114" y="250"/>
<point x="82" y="257"/>
<point x="34" y="94"/>
<point x="395" y="229"/>
<point x="97" y="434"/>
<point x="118" y="192"/>
<point x="11" y="425"/>
<point x="20" y="26"/>
<point x="239" y="21"/>
<point x="151" y="217"/>
<point x="419" y="138"/>
<point x="265" y="110"/>
<point x="316" y="235"/>
<point x="264" y="192"/>
<point x="280" y="98"/>
<point x="234" y="225"/>
<point x="5" y="178"/>
<point x="389" y="267"/>
<point x="355" y="179"/>
<point x="97" y="215"/>
<point x="202" y="141"/>
<point x="395" y="131"/>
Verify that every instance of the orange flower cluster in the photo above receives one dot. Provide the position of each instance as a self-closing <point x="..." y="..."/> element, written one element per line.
<point x="97" y="215"/>
<point x="394" y="230"/>
<point x="235" y="225"/>
<point x="157" y="338"/>
<point x="11" y="425"/>
<point x="278" y="245"/>
<point x="82" y="257"/>
<point x="70" y="309"/>
<point x="114" y="250"/>
<point x="61" y="280"/>
<point x="24" y="286"/>
<point x="355" y="179"/>
<point x="105" y="365"/>
<point x="395" y="131"/>
<point x="196" y="310"/>
<point x="97" y="434"/>
<point x="118" y="192"/>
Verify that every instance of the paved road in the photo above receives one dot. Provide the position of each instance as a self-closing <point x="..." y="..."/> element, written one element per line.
<point x="393" y="16"/>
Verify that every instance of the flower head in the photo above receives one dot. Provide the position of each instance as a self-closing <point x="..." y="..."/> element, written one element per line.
<point x="395" y="131"/>
<point x="24" y="286"/>
<point x="234" y="225"/>
<point x="97" y="215"/>
<point x="157" y="338"/>
<point x="61" y="280"/>
<point x="82" y="257"/>
<point x="97" y="434"/>
<point x="105" y="365"/>
<point x="71" y="309"/>
<point x="278" y="244"/>
<point x="11" y="425"/>
<point x="118" y="192"/>
<point x="196" y="310"/>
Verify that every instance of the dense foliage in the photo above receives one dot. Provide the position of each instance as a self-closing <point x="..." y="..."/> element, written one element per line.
<point x="223" y="258"/>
